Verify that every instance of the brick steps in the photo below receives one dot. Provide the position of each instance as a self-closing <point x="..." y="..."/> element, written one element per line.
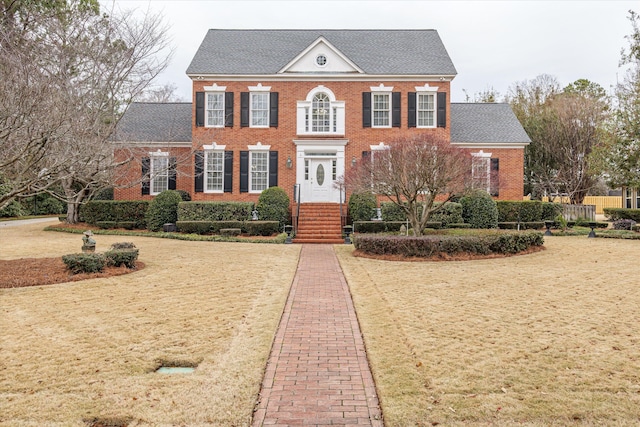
<point x="319" y="223"/>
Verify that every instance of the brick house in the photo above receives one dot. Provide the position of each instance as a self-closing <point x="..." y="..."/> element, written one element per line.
<point x="287" y="107"/>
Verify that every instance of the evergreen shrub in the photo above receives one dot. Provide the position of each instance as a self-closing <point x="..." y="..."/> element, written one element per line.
<point x="362" y="206"/>
<point x="163" y="209"/>
<point x="479" y="209"/>
<point x="84" y="263"/>
<point x="215" y="211"/>
<point x="273" y="205"/>
<point x="614" y="214"/>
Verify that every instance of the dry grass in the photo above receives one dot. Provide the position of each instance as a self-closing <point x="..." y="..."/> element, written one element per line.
<point x="551" y="338"/>
<point x="87" y="350"/>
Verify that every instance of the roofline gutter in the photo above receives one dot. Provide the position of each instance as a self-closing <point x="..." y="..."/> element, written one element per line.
<point x="496" y="145"/>
<point x="323" y="76"/>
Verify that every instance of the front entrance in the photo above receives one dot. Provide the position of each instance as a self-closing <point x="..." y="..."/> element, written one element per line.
<point x="320" y="163"/>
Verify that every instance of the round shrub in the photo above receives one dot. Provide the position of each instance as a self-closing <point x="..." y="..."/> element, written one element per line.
<point x="273" y="205"/>
<point x="163" y="209"/>
<point x="624" y="224"/>
<point x="362" y="206"/>
<point x="479" y="210"/>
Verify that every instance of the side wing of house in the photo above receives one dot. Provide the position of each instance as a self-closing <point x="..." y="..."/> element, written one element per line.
<point x="496" y="140"/>
<point x="153" y="140"/>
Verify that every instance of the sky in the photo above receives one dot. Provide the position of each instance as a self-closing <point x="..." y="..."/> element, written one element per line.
<point x="493" y="44"/>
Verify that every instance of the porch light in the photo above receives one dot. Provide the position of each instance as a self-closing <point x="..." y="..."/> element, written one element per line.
<point x="289" y="162"/>
<point x="353" y="161"/>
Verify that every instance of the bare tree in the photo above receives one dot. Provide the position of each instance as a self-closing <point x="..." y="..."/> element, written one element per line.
<point x="164" y="93"/>
<point x="73" y="72"/>
<point x="412" y="173"/>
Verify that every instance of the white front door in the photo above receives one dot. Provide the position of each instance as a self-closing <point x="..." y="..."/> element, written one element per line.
<point x="321" y="179"/>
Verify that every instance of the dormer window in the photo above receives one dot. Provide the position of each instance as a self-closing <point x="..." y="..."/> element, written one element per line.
<point x="321" y="113"/>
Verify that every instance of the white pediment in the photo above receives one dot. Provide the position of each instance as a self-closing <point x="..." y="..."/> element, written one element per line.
<point x="321" y="57"/>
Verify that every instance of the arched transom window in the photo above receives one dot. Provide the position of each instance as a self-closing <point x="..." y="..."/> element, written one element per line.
<point x="320" y="113"/>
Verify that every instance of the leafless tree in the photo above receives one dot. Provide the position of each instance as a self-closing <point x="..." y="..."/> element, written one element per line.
<point x="412" y="173"/>
<point x="70" y="74"/>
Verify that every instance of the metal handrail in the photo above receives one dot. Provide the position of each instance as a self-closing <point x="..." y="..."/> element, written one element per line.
<point x="296" y="199"/>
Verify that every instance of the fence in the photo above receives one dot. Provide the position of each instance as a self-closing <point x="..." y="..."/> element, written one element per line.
<point x="600" y="202"/>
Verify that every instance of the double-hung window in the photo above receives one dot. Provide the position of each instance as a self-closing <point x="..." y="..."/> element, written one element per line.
<point x="215" y="109"/>
<point x="258" y="171"/>
<point x="481" y="171"/>
<point x="214" y="170"/>
<point x="259" y="110"/>
<point x="159" y="173"/>
<point x="426" y="110"/>
<point x="381" y="109"/>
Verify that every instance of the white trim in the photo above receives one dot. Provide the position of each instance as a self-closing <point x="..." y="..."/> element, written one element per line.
<point x="183" y="144"/>
<point x="154" y="156"/>
<point x="251" y="110"/>
<point x="325" y="77"/>
<point x="259" y="88"/>
<point x="303" y="110"/>
<point x="259" y="147"/>
<point x="379" y="147"/>
<point x="158" y="153"/>
<point x="213" y="147"/>
<point x="382" y="91"/>
<point x="433" y="94"/>
<point x="252" y="151"/>
<point x="495" y="146"/>
<point x="481" y="154"/>
<point x="426" y="88"/>
<point x="214" y="88"/>
<point x="381" y="88"/>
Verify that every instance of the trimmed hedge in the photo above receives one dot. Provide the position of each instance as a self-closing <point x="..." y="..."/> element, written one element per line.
<point x="84" y="263"/>
<point x="450" y="213"/>
<point x="479" y="209"/>
<point x="215" y="211"/>
<point x="273" y="205"/>
<point x="436" y="245"/>
<point x="119" y="257"/>
<point x="519" y="211"/>
<point x="386" y="226"/>
<point x="531" y="225"/>
<point x="163" y="209"/>
<point x="115" y="210"/>
<point x="253" y="228"/>
<point x="362" y="206"/>
<point x="614" y="214"/>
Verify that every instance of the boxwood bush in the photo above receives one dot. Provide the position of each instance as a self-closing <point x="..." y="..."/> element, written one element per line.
<point x="119" y="257"/>
<point x="479" y="209"/>
<point x="261" y="228"/>
<point x="386" y="226"/>
<point x="438" y="244"/>
<point x="362" y="206"/>
<point x="215" y="211"/>
<point x="84" y="262"/>
<point x="614" y="214"/>
<point x="163" y="209"/>
<point x="273" y="205"/>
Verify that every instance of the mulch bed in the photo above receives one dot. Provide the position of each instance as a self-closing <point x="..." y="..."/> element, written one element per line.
<point x="17" y="273"/>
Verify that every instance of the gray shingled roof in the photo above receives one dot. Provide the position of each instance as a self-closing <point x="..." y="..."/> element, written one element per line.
<point x="485" y="123"/>
<point x="155" y="122"/>
<point x="402" y="52"/>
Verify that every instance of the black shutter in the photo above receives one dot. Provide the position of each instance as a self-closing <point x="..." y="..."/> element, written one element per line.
<point x="494" y="178"/>
<point x="199" y="172"/>
<point x="273" y="168"/>
<point x="244" y="171"/>
<point x="395" y="109"/>
<point x="442" y="109"/>
<point x="411" y="110"/>
<point x="366" y="156"/>
<point x="228" y="171"/>
<point x="173" y="172"/>
<point x="273" y="109"/>
<point x="199" y="109"/>
<point x="146" y="166"/>
<point x="244" y="109"/>
<point x="228" y="109"/>
<point x="366" y="109"/>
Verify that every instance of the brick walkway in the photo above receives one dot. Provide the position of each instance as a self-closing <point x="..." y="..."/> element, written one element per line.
<point x="318" y="372"/>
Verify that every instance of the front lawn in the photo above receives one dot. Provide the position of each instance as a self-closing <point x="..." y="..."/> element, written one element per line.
<point x="73" y="353"/>
<point x="550" y="338"/>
